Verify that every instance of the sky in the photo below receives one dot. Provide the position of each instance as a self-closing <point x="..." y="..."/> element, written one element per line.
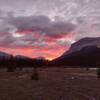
<point x="46" y="28"/>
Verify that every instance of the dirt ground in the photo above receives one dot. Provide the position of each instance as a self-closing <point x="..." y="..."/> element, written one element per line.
<point x="54" y="84"/>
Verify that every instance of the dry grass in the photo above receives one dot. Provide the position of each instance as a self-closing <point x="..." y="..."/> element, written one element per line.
<point x="54" y="84"/>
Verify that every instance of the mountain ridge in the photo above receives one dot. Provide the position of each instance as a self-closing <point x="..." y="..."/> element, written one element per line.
<point x="81" y="53"/>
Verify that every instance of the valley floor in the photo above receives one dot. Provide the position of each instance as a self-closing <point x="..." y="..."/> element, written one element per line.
<point x="54" y="84"/>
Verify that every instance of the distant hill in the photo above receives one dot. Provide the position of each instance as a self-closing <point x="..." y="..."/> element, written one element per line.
<point x="21" y="61"/>
<point x="4" y="55"/>
<point x="21" y="57"/>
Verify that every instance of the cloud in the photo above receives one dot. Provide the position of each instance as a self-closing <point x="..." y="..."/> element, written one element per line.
<point x="35" y="29"/>
<point x="29" y="22"/>
<point x="6" y="39"/>
<point x="47" y="23"/>
<point x="40" y="23"/>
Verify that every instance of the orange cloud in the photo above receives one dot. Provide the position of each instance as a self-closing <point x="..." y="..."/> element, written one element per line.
<point x="47" y="52"/>
<point x="50" y="51"/>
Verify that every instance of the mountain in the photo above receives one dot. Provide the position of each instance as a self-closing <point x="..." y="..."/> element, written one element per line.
<point x="85" y="52"/>
<point x="21" y="57"/>
<point x="21" y="61"/>
<point x="27" y="61"/>
<point x="83" y="43"/>
<point x="4" y="55"/>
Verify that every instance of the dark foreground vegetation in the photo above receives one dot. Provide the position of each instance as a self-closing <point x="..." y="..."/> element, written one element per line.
<point x="13" y="63"/>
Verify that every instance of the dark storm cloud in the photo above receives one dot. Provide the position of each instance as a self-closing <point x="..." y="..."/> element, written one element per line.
<point x="24" y="23"/>
<point x="61" y="27"/>
<point x="41" y="23"/>
<point x="6" y="39"/>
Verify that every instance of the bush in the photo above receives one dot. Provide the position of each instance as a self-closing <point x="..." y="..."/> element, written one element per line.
<point x="35" y="75"/>
<point x="98" y="72"/>
<point x="10" y="69"/>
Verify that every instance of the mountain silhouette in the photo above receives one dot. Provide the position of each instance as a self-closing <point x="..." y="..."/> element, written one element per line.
<point x="20" y="61"/>
<point x="21" y="57"/>
<point x="83" y="43"/>
<point x="85" y="52"/>
<point x="4" y="55"/>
